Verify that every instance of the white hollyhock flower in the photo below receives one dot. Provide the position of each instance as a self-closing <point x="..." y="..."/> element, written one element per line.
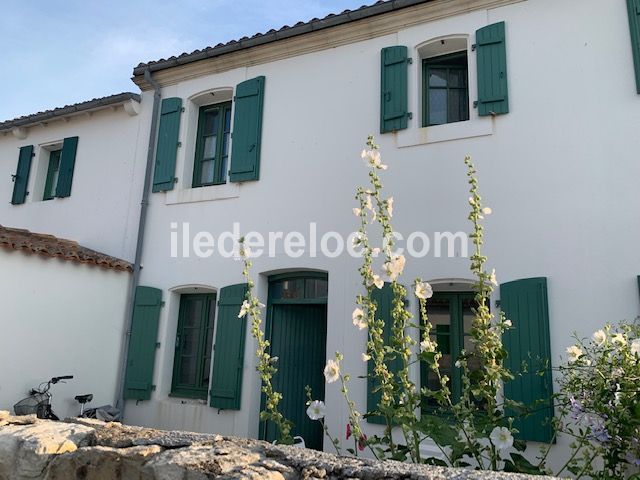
<point x="427" y="345"/>
<point x="358" y="319"/>
<point x="487" y="210"/>
<point x="573" y="353"/>
<point x="244" y="309"/>
<point x="508" y="323"/>
<point x="365" y="357"/>
<point x="635" y="347"/>
<point x="317" y="410"/>
<point x="492" y="277"/>
<point x="458" y="364"/>
<point x="619" y="339"/>
<point x="599" y="337"/>
<point x="390" y="206"/>
<point x="423" y="290"/>
<point x="372" y="158"/>
<point x="357" y="212"/>
<point x="501" y="438"/>
<point x="331" y="371"/>
<point x="395" y="266"/>
<point x="376" y="280"/>
<point x="375" y="251"/>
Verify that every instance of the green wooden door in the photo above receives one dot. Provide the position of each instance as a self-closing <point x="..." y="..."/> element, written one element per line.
<point x="297" y="330"/>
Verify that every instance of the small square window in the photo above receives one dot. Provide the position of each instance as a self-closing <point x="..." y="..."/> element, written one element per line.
<point x="212" y="145"/>
<point x="53" y="169"/>
<point x="445" y="89"/>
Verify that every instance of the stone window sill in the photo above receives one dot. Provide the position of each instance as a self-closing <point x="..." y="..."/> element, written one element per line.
<point x="203" y="194"/>
<point x="478" y="127"/>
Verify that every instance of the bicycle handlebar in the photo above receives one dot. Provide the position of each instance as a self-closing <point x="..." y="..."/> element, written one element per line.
<point x="63" y="377"/>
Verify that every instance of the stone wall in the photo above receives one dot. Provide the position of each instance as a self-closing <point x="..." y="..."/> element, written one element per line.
<point x="86" y="449"/>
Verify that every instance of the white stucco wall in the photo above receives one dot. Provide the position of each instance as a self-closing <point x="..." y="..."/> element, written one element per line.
<point x="560" y="172"/>
<point x="59" y="318"/>
<point x="103" y="209"/>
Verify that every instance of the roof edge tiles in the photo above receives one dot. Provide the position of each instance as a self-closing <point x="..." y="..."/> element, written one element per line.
<point x="51" y="246"/>
<point x="300" y="28"/>
<point x="96" y="103"/>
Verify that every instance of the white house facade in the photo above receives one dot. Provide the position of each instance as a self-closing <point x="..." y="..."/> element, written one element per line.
<point x="556" y="150"/>
<point x="263" y="135"/>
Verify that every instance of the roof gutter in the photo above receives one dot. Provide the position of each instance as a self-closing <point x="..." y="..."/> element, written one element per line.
<point x="144" y="205"/>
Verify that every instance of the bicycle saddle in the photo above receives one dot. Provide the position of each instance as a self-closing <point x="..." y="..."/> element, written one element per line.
<point x="84" y="398"/>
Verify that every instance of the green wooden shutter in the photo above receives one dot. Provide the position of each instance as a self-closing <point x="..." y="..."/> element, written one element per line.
<point x="493" y="98"/>
<point x="67" y="164"/>
<point x="633" y="6"/>
<point x="524" y="302"/>
<point x="228" y="357"/>
<point x="138" y="382"/>
<point x="21" y="179"/>
<point x="384" y="299"/>
<point x="394" y="111"/>
<point x="167" y="147"/>
<point x="247" y="130"/>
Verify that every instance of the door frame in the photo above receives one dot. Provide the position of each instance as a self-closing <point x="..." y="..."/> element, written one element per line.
<point x="271" y="302"/>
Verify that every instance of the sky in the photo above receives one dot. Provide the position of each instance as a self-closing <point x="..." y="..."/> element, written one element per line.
<point x="59" y="52"/>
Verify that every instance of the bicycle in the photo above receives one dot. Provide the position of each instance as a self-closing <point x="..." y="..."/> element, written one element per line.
<point x="39" y="400"/>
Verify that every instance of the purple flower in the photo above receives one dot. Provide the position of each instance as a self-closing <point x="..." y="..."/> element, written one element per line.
<point x="576" y="408"/>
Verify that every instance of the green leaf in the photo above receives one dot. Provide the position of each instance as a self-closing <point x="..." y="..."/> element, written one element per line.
<point x="435" y="461"/>
<point x="520" y="445"/>
<point x="520" y="464"/>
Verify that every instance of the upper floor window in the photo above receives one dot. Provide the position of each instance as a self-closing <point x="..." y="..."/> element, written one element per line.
<point x="53" y="170"/>
<point x="446" y="89"/>
<point x="212" y="145"/>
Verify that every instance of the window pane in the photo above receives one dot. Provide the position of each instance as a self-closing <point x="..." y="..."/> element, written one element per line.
<point x="288" y="289"/>
<point x="458" y="105"/>
<point x="227" y="119"/>
<point x="192" y="312"/>
<point x="210" y="146"/>
<point x="206" y="171"/>
<point x="437" y="78"/>
<point x="210" y="122"/>
<point x="188" y="367"/>
<point x="315" y="288"/>
<point x="437" y="106"/>
<point x="458" y="78"/>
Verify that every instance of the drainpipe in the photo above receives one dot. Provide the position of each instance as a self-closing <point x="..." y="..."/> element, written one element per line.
<point x="144" y="205"/>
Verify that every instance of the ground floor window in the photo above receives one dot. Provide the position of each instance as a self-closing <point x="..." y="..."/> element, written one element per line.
<point x="194" y="337"/>
<point x="451" y="314"/>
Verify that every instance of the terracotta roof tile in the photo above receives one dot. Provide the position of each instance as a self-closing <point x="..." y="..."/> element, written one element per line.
<point x="51" y="246"/>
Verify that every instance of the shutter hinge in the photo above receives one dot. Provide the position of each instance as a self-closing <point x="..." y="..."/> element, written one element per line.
<point x="157" y="344"/>
<point x="161" y="303"/>
<point x="409" y="60"/>
<point x="179" y="144"/>
<point x="497" y="302"/>
<point x="153" y="388"/>
<point x="473" y="47"/>
<point x="182" y="110"/>
<point x="13" y="178"/>
<point x="475" y="104"/>
<point x="409" y="115"/>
